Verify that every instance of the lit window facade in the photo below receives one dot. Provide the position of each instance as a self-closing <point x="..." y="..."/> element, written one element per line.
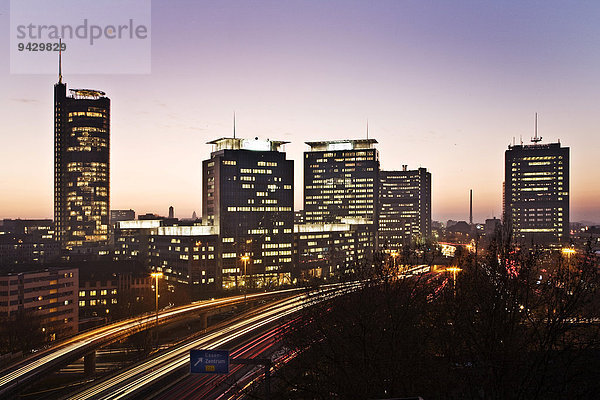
<point x="536" y="197"/>
<point x="325" y="250"/>
<point x="186" y="255"/>
<point x="52" y="294"/>
<point x="341" y="180"/>
<point x="405" y="207"/>
<point x="248" y="194"/>
<point x="81" y="167"/>
<point x="27" y="241"/>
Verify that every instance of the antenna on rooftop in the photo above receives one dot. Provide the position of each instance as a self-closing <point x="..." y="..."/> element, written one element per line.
<point x="367" y="129"/>
<point x="234" y="124"/>
<point x="60" y="60"/>
<point x="536" y="139"/>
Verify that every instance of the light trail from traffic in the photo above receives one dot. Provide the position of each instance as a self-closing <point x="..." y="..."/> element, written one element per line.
<point x="193" y="386"/>
<point x="85" y="342"/>
<point x="128" y="382"/>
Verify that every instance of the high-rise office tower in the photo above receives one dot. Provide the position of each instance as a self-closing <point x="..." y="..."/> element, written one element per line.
<point x="405" y="207"/>
<point x="81" y="166"/>
<point x="341" y="179"/>
<point x="536" y="193"/>
<point x="248" y="193"/>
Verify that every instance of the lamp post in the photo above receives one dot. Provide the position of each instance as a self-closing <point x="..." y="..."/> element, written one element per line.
<point x="156" y="275"/>
<point x="245" y="259"/>
<point x="394" y="254"/>
<point x="454" y="271"/>
<point x="568" y="251"/>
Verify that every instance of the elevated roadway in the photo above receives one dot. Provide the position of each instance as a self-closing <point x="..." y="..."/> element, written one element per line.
<point x="134" y="382"/>
<point x="37" y="365"/>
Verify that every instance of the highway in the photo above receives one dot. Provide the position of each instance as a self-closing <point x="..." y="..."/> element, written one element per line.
<point x="265" y="345"/>
<point x="134" y="380"/>
<point x="71" y="349"/>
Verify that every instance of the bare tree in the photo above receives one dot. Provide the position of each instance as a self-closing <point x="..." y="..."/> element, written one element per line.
<point x="512" y="324"/>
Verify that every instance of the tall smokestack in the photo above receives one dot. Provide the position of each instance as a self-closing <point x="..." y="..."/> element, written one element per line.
<point x="471" y="206"/>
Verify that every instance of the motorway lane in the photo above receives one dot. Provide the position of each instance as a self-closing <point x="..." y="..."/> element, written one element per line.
<point x="136" y="379"/>
<point x="73" y="348"/>
<point x="204" y="386"/>
<point x="146" y="373"/>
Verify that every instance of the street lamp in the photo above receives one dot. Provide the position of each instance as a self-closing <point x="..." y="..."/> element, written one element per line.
<point x="394" y="254"/>
<point x="568" y="251"/>
<point x="245" y="259"/>
<point x="454" y="271"/>
<point x="156" y="275"/>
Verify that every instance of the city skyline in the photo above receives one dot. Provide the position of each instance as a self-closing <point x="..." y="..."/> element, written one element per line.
<point x="162" y="121"/>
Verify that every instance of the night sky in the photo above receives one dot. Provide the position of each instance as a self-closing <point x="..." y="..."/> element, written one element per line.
<point x="445" y="85"/>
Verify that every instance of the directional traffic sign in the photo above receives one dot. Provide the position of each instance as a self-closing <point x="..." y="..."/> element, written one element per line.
<point x="209" y="361"/>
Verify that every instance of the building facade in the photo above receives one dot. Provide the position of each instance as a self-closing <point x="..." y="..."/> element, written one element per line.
<point x="131" y="239"/>
<point x="27" y="241"/>
<point x="121" y="215"/>
<point x="49" y="294"/>
<point x="113" y="291"/>
<point x="341" y="180"/>
<point x="536" y="197"/>
<point x="248" y="194"/>
<point x="81" y="167"/>
<point x="405" y="207"/>
<point x="325" y="250"/>
<point x="187" y="255"/>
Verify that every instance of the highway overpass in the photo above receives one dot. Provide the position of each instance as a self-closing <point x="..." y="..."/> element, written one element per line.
<point x="37" y="365"/>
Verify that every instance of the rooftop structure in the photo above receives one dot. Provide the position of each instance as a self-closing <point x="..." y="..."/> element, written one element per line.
<point x="348" y="144"/>
<point x="255" y="144"/>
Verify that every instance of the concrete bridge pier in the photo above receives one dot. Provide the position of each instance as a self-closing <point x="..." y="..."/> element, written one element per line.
<point x="89" y="364"/>
<point x="203" y="321"/>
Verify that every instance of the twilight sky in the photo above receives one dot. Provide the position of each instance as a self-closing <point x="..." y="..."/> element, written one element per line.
<point x="445" y="85"/>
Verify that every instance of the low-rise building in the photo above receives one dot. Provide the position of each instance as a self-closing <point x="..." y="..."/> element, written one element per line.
<point x="188" y="255"/>
<point x="49" y="294"/>
<point x="324" y="250"/>
<point x="113" y="290"/>
<point x="27" y="241"/>
<point x="131" y="239"/>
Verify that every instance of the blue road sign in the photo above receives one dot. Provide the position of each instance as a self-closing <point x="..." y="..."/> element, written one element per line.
<point x="209" y="361"/>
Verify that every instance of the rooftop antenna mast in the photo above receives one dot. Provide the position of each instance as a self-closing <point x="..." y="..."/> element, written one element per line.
<point x="536" y="139"/>
<point x="60" y="60"/>
<point x="234" y="124"/>
<point x="367" y="129"/>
